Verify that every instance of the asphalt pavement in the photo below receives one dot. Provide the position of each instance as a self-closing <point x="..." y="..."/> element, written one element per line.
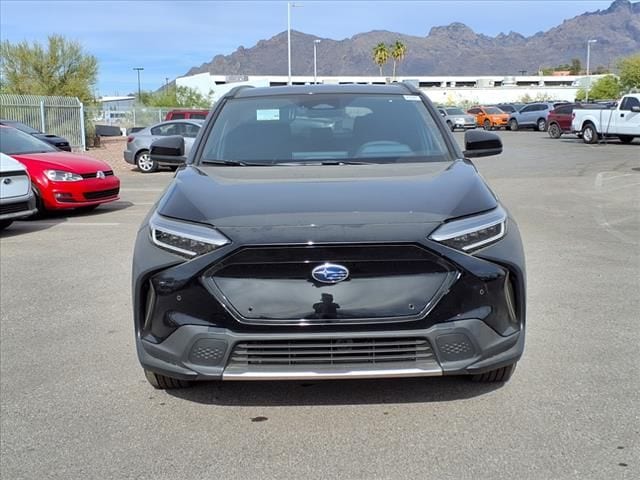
<point x="74" y="403"/>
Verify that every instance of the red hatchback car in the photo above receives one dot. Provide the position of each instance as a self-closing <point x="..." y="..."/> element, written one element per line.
<point x="61" y="180"/>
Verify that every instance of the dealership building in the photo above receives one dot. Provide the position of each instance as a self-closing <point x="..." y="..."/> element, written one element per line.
<point x="450" y="90"/>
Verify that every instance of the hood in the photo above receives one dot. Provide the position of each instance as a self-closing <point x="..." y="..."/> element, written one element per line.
<point x="49" y="138"/>
<point x="8" y="164"/>
<point x="71" y="162"/>
<point x="326" y="195"/>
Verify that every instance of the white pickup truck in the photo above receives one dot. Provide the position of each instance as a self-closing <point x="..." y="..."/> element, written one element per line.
<point x="623" y="121"/>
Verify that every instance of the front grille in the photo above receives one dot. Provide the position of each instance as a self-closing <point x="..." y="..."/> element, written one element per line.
<point x="14" y="207"/>
<point x="327" y="352"/>
<point x="107" y="173"/>
<point x="101" y="194"/>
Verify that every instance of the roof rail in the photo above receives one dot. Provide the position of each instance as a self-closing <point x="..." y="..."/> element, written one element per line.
<point x="232" y="93"/>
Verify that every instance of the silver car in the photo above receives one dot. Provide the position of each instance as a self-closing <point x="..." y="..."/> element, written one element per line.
<point x="456" y="118"/>
<point x="139" y="143"/>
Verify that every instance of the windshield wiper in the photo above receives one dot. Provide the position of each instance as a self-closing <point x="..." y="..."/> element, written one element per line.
<point x="232" y="163"/>
<point x="324" y="162"/>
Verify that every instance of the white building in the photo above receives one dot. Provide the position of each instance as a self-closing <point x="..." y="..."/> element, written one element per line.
<point x="486" y="89"/>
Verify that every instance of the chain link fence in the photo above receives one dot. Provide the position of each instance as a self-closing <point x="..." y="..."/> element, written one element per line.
<point x="127" y="119"/>
<point x="62" y="116"/>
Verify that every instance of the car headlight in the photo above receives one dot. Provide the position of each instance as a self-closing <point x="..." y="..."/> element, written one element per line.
<point x="471" y="233"/>
<point x="188" y="240"/>
<point x="62" y="176"/>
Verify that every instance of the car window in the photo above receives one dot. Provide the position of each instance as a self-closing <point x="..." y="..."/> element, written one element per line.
<point x="528" y="108"/>
<point x="563" y="109"/>
<point x="177" y="116"/>
<point x="493" y="110"/>
<point x="190" y="130"/>
<point x="14" y="142"/>
<point x="454" y="111"/>
<point x="22" y="127"/>
<point x="326" y="127"/>
<point x="474" y="110"/>
<point x="198" y="116"/>
<point x="166" y="129"/>
<point x="629" y="102"/>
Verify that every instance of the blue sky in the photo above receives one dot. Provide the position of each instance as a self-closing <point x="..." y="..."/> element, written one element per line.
<point x="166" y="38"/>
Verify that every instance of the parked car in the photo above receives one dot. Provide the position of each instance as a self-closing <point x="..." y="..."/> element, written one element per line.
<point x="532" y="115"/>
<point x="60" y="180"/>
<point x="369" y="249"/>
<point x="456" y="118"/>
<point x="623" y="121"/>
<point x="559" y="119"/>
<point x="507" y="107"/>
<point x="139" y="143"/>
<point x="489" y="118"/>
<point x="59" y="142"/>
<point x="16" y="197"/>
<point x="187" y="114"/>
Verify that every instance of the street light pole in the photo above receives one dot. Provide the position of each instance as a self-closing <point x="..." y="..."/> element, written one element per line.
<point x="289" y="5"/>
<point x="315" y="61"/>
<point x="589" y="42"/>
<point x="138" y="70"/>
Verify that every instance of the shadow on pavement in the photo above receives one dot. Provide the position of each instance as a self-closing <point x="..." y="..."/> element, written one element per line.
<point x="334" y="392"/>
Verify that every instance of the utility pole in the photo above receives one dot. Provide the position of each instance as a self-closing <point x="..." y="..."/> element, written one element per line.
<point x="289" y="5"/>
<point x="138" y="70"/>
<point x="315" y="60"/>
<point x="589" y="42"/>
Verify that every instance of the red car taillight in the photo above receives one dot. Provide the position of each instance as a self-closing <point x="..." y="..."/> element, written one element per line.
<point x="129" y="139"/>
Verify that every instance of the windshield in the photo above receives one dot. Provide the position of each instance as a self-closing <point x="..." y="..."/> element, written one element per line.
<point x="493" y="110"/>
<point x="15" y="142"/>
<point x="455" y="111"/>
<point x="320" y="128"/>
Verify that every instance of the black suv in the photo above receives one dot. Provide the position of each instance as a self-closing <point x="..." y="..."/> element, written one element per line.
<point x="323" y="232"/>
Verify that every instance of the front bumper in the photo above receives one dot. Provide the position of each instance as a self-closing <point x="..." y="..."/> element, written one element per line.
<point x="477" y="326"/>
<point x="87" y="192"/>
<point x="196" y="352"/>
<point x="18" y="207"/>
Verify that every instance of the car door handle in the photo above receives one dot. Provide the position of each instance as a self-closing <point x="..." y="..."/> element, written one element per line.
<point x="622" y="115"/>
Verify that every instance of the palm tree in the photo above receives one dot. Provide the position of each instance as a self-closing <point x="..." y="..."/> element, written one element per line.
<point x="398" y="52"/>
<point x="380" y="55"/>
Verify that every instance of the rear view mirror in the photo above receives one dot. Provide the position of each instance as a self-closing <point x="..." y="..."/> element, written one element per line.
<point x="480" y="143"/>
<point x="168" y="150"/>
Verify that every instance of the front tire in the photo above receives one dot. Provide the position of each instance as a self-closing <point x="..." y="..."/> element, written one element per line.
<point x="144" y="162"/>
<point x="487" y="125"/>
<point x="513" y="125"/>
<point x="161" y="382"/>
<point x="554" y="130"/>
<point x="501" y="375"/>
<point x="589" y="134"/>
<point x="541" y="124"/>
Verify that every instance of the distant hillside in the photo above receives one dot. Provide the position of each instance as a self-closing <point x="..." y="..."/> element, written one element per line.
<point x="450" y="50"/>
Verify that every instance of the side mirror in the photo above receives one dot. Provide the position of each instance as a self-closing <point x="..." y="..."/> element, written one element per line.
<point x="168" y="150"/>
<point x="442" y="114"/>
<point x="635" y="108"/>
<point x="479" y="143"/>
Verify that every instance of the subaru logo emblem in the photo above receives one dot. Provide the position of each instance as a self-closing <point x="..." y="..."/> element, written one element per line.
<point x="100" y="174"/>
<point x="330" y="273"/>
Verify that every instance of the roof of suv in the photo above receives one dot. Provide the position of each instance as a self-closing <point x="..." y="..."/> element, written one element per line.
<point x="396" y="88"/>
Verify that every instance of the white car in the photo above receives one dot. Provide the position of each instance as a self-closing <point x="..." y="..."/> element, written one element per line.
<point x="16" y="197"/>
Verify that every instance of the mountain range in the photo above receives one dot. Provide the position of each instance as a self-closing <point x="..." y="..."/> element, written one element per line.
<point x="454" y="49"/>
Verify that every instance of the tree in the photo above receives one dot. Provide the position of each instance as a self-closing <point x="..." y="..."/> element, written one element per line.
<point x="177" y="96"/>
<point x="398" y="52"/>
<point x="576" y="66"/>
<point x="605" y="88"/>
<point x="630" y="72"/>
<point x="61" y="67"/>
<point x="380" y="55"/>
